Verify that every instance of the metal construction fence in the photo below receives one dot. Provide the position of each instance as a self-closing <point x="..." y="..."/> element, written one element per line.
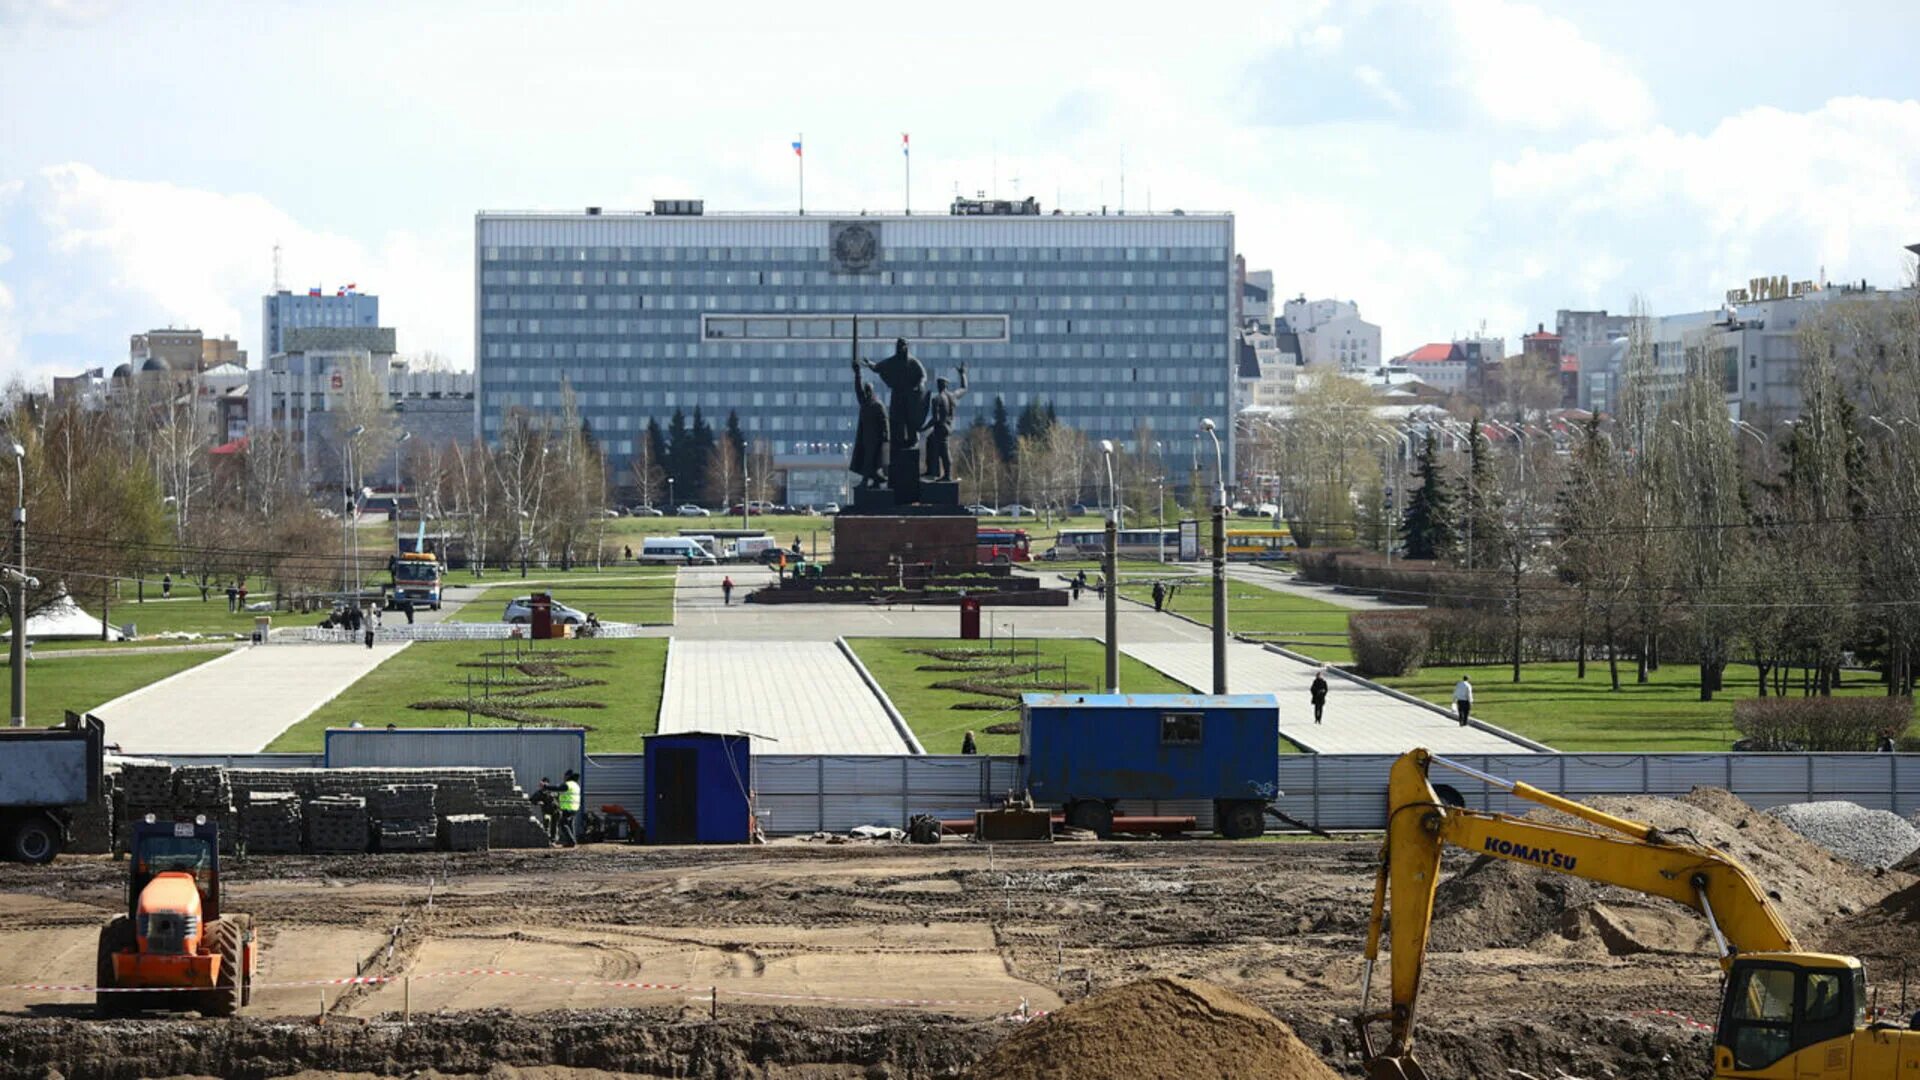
<point x="805" y="793"/>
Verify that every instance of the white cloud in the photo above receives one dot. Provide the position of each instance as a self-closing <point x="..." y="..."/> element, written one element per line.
<point x="1535" y="71"/>
<point x="1376" y="83"/>
<point x="1682" y="216"/>
<point x="161" y="253"/>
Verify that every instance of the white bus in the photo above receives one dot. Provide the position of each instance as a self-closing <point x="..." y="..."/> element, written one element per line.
<point x="1128" y="543"/>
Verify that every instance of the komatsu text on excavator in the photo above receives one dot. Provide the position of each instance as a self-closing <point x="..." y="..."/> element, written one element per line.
<point x="1787" y="1014"/>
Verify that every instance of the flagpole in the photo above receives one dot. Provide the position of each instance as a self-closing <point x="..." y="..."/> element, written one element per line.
<point x="906" y="155"/>
<point x="800" y="159"/>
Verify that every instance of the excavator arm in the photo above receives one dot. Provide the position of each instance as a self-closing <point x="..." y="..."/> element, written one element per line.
<point x="1629" y="854"/>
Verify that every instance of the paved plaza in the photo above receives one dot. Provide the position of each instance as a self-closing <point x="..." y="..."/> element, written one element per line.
<point x="240" y="702"/>
<point x="1359" y="719"/>
<point x="796" y="697"/>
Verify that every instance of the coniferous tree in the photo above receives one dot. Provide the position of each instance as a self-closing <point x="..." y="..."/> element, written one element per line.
<point x="679" y="448"/>
<point x="1004" y="439"/>
<point x="735" y="436"/>
<point x="1427" y="525"/>
<point x="1480" y="522"/>
<point x="700" y="458"/>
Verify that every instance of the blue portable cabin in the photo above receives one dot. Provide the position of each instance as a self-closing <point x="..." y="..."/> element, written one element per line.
<point x="699" y="788"/>
<point x="1084" y="752"/>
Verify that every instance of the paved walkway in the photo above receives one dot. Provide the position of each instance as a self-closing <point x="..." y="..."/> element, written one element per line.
<point x="1283" y="581"/>
<point x="240" y="702"/>
<point x="697" y="588"/>
<point x="1359" y="720"/>
<point x="804" y="694"/>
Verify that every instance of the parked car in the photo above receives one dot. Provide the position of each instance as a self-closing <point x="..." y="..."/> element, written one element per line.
<point x="609" y="512"/>
<point x="1079" y="510"/>
<point x="830" y="508"/>
<point x="1015" y="510"/>
<point x="644" y="511"/>
<point x="520" y="610"/>
<point x="981" y="510"/>
<point x="690" y="510"/>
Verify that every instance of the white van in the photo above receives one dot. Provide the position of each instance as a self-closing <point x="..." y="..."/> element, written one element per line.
<point x="674" y="549"/>
<point x="754" y="548"/>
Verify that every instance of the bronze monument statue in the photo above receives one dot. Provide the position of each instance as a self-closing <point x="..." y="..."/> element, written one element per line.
<point x="906" y="381"/>
<point x="940" y="427"/>
<point x="870" y="436"/>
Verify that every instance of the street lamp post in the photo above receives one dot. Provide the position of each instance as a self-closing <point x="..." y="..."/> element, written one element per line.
<point x="1113" y="579"/>
<point x="1219" y="562"/>
<point x="746" y="495"/>
<point x="352" y="536"/>
<point x="17" y="651"/>
<point x="397" y="485"/>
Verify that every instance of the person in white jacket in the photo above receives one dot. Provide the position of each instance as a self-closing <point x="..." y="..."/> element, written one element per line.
<point x="1463" y="699"/>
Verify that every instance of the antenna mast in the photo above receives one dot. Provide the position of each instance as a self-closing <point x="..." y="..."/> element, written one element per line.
<point x="276" y="266"/>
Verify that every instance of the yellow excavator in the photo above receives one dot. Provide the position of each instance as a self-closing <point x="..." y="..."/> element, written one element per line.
<point x="1786" y="1014"/>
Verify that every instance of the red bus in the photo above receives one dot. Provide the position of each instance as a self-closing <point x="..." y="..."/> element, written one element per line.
<point x="1004" y="546"/>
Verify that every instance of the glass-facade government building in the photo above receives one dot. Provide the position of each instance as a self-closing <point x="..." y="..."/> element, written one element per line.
<point x="1114" y="320"/>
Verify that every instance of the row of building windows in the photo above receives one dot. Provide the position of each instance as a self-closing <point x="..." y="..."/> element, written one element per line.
<point x="813" y="254"/>
<point x="946" y="328"/>
<point x="1125" y="350"/>
<point x="836" y="374"/>
<point x="788" y="279"/>
<point x="737" y="302"/>
<point x="764" y="400"/>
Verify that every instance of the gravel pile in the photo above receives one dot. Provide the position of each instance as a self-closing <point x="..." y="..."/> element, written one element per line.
<point x="1873" y="838"/>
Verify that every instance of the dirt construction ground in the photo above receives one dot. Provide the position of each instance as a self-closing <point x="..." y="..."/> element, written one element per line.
<point x="811" y="954"/>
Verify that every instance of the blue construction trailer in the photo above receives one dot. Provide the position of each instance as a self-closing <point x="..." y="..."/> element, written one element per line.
<point x="1085" y="752"/>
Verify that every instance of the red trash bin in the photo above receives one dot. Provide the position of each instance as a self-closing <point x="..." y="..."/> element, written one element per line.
<point x="969" y="619"/>
<point x="542" y="604"/>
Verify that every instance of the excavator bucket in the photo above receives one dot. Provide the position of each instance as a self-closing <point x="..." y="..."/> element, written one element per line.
<point x="1395" y="1068"/>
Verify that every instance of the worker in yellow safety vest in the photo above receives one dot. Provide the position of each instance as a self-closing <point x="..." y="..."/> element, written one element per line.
<point x="567" y="801"/>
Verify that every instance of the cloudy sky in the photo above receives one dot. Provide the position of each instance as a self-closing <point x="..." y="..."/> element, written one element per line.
<point x="1445" y="163"/>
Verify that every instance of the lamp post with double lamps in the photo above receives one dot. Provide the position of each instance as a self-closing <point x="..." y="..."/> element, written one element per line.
<point x="17" y="577"/>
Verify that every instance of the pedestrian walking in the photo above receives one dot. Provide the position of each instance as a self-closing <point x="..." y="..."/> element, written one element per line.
<point x="726" y="590"/>
<point x="166" y="587"/>
<point x="1318" y="694"/>
<point x="1076" y="584"/>
<point x="629" y="550"/>
<point x="371" y="624"/>
<point x="232" y="600"/>
<point x="968" y="745"/>
<point x="1887" y="745"/>
<point x="406" y="608"/>
<point x="1159" y="595"/>
<point x="241" y="589"/>
<point x="1463" y="699"/>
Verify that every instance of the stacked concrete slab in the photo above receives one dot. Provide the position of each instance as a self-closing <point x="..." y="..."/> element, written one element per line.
<point x="337" y="825"/>
<point x="404" y="818"/>
<point x="464" y="832"/>
<point x="272" y="823"/>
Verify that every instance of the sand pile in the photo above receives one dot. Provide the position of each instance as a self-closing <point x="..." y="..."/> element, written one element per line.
<point x="1498" y="904"/>
<point x="1160" y="1028"/>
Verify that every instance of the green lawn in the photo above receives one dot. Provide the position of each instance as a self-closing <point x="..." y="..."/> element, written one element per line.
<point x="621" y="678"/>
<point x="637" y="595"/>
<point x="1300" y="623"/>
<point x="82" y="682"/>
<point x="186" y="612"/>
<point x="932" y="712"/>
<point x="1551" y="705"/>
